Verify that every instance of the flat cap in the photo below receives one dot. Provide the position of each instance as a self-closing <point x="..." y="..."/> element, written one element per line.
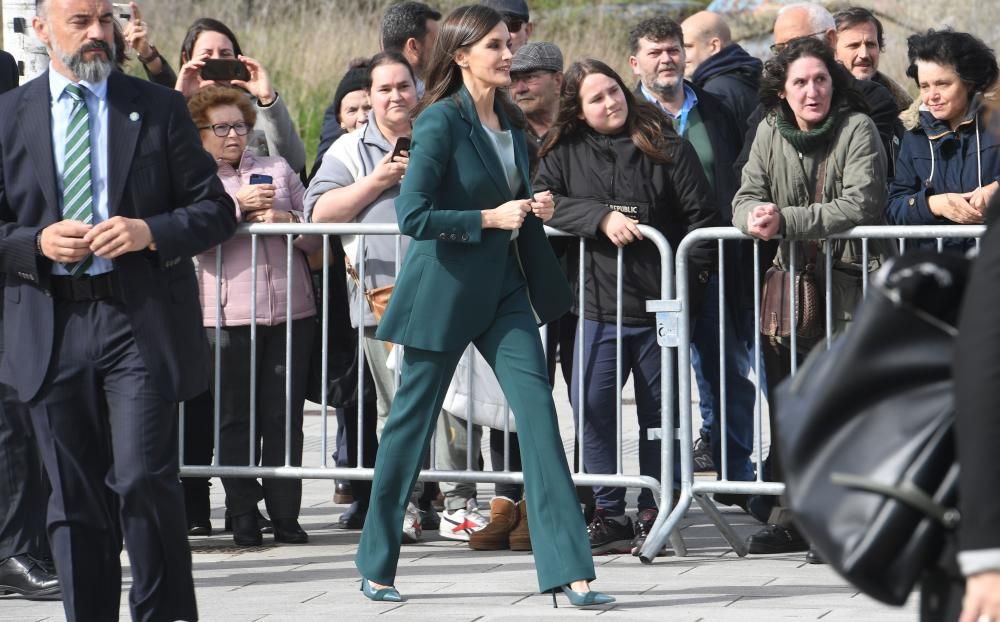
<point x="515" y="8"/>
<point x="536" y="55"/>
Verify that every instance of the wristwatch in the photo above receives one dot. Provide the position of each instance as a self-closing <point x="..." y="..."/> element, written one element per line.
<point x="153" y="55"/>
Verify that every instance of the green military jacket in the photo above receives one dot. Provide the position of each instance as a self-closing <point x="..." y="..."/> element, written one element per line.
<point x="449" y="286"/>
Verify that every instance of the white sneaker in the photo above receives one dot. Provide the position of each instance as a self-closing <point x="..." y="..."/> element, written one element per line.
<point x="460" y="524"/>
<point x="412" y="530"/>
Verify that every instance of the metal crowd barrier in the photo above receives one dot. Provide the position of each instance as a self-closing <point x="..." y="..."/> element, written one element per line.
<point x="674" y="315"/>
<point x="324" y="470"/>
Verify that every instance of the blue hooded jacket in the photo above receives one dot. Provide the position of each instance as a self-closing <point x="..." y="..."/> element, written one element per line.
<point x="934" y="160"/>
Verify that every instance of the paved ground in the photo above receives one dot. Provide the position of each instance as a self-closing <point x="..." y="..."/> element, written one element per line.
<point x="444" y="581"/>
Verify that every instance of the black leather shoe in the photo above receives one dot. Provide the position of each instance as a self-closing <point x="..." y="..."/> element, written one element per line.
<point x="246" y="530"/>
<point x="289" y="531"/>
<point x="813" y="557"/>
<point x="23" y="575"/>
<point x="353" y="518"/>
<point x="264" y="524"/>
<point x="200" y="527"/>
<point x="774" y="539"/>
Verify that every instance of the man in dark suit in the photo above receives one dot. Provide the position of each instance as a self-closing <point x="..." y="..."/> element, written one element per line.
<point x="23" y="544"/>
<point x="105" y="195"/>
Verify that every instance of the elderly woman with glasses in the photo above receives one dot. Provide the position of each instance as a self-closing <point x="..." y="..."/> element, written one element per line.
<point x="265" y="190"/>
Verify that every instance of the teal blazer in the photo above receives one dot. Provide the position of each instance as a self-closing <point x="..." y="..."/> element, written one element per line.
<point x="449" y="286"/>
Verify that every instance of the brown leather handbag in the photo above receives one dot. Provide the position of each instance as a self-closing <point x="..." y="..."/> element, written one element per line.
<point x="378" y="297"/>
<point x="776" y="307"/>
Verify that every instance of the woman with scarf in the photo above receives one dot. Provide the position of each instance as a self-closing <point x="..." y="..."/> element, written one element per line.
<point x="817" y="167"/>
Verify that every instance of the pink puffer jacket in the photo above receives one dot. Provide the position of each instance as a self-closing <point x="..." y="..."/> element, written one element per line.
<point x="272" y="273"/>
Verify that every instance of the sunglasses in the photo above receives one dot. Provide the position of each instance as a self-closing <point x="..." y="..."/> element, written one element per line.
<point x="778" y="47"/>
<point x="514" y="24"/>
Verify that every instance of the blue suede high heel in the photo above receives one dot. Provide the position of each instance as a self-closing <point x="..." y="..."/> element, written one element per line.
<point x="386" y="594"/>
<point x="582" y="599"/>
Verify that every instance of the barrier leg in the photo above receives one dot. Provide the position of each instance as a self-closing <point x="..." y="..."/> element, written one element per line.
<point x="735" y="541"/>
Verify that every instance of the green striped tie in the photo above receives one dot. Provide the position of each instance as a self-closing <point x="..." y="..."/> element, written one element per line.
<point x="78" y="195"/>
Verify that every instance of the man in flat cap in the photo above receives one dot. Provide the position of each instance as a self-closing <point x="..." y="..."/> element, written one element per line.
<point x="535" y="79"/>
<point x="515" y="15"/>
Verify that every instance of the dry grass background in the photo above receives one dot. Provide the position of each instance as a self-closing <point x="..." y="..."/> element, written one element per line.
<point x="306" y="44"/>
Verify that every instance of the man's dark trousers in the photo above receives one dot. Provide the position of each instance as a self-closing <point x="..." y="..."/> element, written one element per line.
<point x="99" y="394"/>
<point x="22" y="484"/>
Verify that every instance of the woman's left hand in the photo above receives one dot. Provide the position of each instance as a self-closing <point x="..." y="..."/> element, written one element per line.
<point x="982" y="597"/>
<point x="259" y="84"/>
<point x="544" y="206"/>
<point x="980" y="198"/>
<point x="270" y="216"/>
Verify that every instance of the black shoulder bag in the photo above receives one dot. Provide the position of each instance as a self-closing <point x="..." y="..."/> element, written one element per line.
<point x="866" y="430"/>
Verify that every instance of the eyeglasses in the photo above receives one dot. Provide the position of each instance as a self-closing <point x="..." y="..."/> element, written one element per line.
<point x="514" y="24"/>
<point x="777" y="48"/>
<point x="222" y="129"/>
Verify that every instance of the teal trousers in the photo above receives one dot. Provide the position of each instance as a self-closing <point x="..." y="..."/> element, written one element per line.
<point x="512" y="347"/>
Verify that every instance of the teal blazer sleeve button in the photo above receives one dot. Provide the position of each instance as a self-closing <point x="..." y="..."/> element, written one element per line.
<point x="452" y="237"/>
<point x="443" y="236"/>
<point x="465" y="237"/>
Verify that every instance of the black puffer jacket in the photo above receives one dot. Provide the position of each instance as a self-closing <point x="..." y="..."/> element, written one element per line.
<point x="591" y="174"/>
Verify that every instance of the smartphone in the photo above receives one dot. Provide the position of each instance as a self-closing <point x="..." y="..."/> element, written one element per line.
<point x="224" y="69"/>
<point x="257" y="178"/>
<point x="122" y="11"/>
<point x="402" y="144"/>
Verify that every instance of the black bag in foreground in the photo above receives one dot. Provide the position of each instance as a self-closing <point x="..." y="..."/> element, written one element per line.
<point x="865" y="430"/>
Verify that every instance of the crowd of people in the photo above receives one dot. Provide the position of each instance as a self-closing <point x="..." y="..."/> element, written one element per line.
<point x="468" y="135"/>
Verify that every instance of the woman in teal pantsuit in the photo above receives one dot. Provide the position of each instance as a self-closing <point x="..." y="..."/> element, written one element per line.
<point x="474" y="273"/>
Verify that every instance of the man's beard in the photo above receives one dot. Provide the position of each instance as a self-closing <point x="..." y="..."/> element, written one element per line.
<point x="666" y="89"/>
<point x="95" y="70"/>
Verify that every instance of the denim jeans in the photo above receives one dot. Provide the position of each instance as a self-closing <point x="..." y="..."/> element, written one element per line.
<point x="641" y="357"/>
<point x="740" y="391"/>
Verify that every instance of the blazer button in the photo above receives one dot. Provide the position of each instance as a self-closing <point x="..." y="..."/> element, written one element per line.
<point x="465" y="237"/>
<point x="913" y="201"/>
<point x="443" y="236"/>
<point x="453" y="237"/>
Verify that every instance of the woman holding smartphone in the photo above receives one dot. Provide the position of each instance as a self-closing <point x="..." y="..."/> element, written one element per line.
<point x="479" y="270"/>
<point x="265" y="190"/>
<point x="210" y="42"/>
<point x="358" y="181"/>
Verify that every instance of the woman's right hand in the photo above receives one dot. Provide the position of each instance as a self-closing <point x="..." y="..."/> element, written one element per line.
<point x="620" y="229"/>
<point x="189" y="77"/>
<point x="956" y="208"/>
<point x="509" y="216"/>
<point x="253" y="197"/>
<point x="764" y="221"/>
<point x="389" y="172"/>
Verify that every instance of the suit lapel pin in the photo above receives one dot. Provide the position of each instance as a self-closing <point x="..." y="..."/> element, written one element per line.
<point x="133" y="116"/>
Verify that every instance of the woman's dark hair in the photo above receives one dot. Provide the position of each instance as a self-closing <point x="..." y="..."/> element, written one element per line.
<point x="206" y="24"/>
<point x="387" y="57"/>
<point x="121" y="56"/>
<point x="772" y="83"/>
<point x="649" y="129"/>
<point x="974" y="62"/>
<point x="461" y="28"/>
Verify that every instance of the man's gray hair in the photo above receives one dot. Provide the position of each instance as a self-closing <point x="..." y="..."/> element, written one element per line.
<point x="820" y="20"/>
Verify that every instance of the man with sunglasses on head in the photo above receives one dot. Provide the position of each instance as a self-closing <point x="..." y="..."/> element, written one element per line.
<point x="515" y="15"/>
<point x="808" y="19"/>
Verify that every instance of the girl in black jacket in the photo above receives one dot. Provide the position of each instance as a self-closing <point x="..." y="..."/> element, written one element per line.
<point x="613" y="163"/>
